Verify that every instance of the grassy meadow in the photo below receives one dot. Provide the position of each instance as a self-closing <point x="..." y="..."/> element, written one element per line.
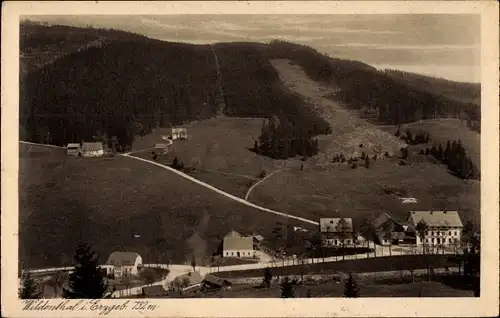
<point x="106" y="201"/>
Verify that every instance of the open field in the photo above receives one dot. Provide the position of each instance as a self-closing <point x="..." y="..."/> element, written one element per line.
<point x="349" y="131"/>
<point x="219" y="151"/>
<point x="362" y="193"/>
<point x="64" y="199"/>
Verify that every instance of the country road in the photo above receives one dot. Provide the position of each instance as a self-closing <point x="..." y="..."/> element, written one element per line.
<point x="221" y="192"/>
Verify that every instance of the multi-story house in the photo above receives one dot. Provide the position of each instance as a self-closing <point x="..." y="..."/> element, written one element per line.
<point x="336" y="231"/>
<point x="444" y="227"/>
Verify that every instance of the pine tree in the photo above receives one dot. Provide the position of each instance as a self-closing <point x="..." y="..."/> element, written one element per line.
<point x="351" y="289"/>
<point x="86" y="281"/>
<point x="268" y="276"/>
<point x="29" y="287"/>
<point x="287" y="290"/>
<point x="440" y="153"/>
<point x="367" y="162"/>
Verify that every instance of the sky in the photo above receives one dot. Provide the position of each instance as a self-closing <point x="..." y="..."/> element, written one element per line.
<point x="446" y="46"/>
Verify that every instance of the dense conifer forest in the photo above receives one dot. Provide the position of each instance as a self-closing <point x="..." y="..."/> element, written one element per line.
<point x="392" y="99"/>
<point x="128" y="85"/>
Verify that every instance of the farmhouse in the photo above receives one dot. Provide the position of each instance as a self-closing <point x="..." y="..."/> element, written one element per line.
<point x="124" y="264"/>
<point x="234" y="246"/>
<point x="336" y="231"/>
<point x="215" y="283"/>
<point x="92" y="149"/>
<point x="191" y="281"/>
<point x="388" y="230"/>
<point x="179" y="133"/>
<point x="444" y="227"/>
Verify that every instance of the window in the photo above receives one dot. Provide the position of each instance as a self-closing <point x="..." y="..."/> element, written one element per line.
<point x="428" y="240"/>
<point x="449" y="233"/>
<point x="455" y="233"/>
<point x="232" y="253"/>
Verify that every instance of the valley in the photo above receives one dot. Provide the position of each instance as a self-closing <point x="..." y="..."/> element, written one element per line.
<point x="128" y="93"/>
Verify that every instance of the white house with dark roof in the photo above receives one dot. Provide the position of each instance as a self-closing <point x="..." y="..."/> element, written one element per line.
<point x="445" y="227"/>
<point x="336" y="232"/>
<point x="123" y="264"/>
<point x="241" y="247"/>
<point x="92" y="149"/>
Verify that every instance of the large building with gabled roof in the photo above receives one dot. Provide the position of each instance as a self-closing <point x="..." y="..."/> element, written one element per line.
<point x="444" y="227"/>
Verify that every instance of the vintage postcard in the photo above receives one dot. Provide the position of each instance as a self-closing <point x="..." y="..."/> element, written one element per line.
<point x="250" y="159"/>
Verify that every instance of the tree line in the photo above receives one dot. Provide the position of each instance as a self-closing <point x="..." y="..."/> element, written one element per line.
<point x="283" y="140"/>
<point x="124" y="89"/>
<point x="362" y="86"/>
<point x="455" y="158"/>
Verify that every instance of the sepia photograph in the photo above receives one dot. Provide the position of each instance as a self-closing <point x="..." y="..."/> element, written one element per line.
<point x="259" y="156"/>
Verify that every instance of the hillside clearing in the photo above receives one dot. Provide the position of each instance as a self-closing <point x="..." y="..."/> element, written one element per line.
<point x="65" y="199"/>
<point x="349" y="131"/>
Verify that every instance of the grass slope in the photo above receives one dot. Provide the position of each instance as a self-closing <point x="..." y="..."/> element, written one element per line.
<point x="66" y="199"/>
<point x="365" y="193"/>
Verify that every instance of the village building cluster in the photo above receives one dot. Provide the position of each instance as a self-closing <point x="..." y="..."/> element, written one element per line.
<point x="444" y="228"/>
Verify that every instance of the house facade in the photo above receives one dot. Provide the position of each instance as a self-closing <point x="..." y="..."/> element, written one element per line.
<point x="240" y="247"/>
<point x="336" y="231"/>
<point x="389" y="231"/>
<point x="92" y="149"/>
<point x="179" y="133"/>
<point x="444" y="227"/>
<point x="123" y="264"/>
<point x="73" y="149"/>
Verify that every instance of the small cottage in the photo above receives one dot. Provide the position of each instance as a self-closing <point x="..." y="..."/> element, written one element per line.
<point x="123" y="264"/>
<point x="179" y="133"/>
<point x="73" y="149"/>
<point x="92" y="149"/>
<point x="241" y="247"/>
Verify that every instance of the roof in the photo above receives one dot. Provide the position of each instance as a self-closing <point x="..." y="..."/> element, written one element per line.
<point x="73" y="145"/>
<point x="238" y="243"/>
<point x="436" y="218"/>
<point x="122" y="258"/>
<point x="178" y="129"/>
<point x="384" y="217"/>
<point x="213" y="280"/>
<point x="160" y="145"/>
<point x="330" y="224"/>
<point x="192" y="277"/>
<point x="92" y="146"/>
<point x="233" y="233"/>
<point x="258" y="237"/>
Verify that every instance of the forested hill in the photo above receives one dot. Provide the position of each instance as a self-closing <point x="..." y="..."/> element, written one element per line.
<point x="394" y="99"/>
<point x="102" y="83"/>
<point x="129" y="85"/>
